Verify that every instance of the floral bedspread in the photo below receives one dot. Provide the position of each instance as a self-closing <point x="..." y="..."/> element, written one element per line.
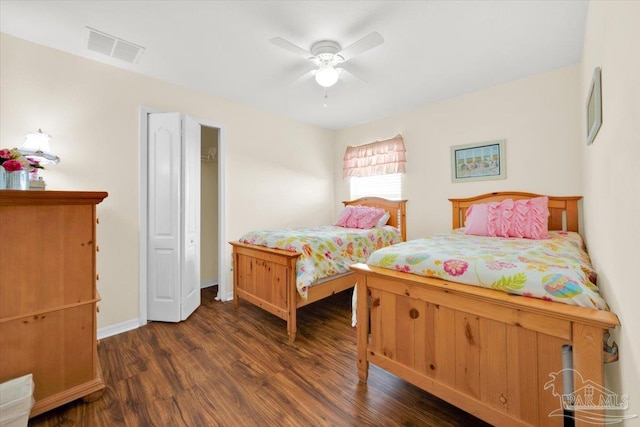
<point x="556" y="269"/>
<point x="326" y="250"/>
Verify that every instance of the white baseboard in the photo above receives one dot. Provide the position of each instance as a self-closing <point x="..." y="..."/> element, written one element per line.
<point x="214" y="282"/>
<point x="118" y="328"/>
<point x="208" y="283"/>
<point x="227" y="297"/>
<point x="132" y="324"/>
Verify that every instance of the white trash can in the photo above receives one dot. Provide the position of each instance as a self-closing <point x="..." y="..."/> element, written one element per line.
<point x="16" y="401"/>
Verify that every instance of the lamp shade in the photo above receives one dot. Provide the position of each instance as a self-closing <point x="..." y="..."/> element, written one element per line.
<point x="327" y="76"/>
<point x="37" y="146"/>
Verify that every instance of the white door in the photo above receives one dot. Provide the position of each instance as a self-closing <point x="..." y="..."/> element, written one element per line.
<point x="173" y="218"/>
<point x="191" y="222"/>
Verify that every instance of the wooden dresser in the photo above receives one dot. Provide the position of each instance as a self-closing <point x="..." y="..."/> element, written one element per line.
<point x="48" y="293"/>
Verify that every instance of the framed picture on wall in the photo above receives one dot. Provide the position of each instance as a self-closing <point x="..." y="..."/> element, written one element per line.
<point x="478" y="162"/>
<point x="594" y="106"/>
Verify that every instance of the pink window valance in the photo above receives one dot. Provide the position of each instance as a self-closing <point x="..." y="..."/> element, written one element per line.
<point x="378" y="158"/>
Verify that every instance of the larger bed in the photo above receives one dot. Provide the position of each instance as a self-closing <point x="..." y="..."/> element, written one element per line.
<point x="496" y="355"/>
<point x="267" y="277"/>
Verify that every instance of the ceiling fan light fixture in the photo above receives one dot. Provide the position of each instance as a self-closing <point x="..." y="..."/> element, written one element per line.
<point x="327" y="76"/>
<point x="327" y="54"/>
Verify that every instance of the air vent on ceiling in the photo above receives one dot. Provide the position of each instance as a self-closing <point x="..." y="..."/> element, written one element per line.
<point x="113" y="46"/>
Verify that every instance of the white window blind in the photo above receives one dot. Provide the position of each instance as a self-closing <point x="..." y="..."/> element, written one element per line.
<point x="387" y="186"/>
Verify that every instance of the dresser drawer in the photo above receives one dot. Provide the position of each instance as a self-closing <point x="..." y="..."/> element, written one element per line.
<point x="66" y="337"/>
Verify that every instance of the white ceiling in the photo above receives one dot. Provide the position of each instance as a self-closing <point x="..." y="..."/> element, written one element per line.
<point x="433" y="50"/>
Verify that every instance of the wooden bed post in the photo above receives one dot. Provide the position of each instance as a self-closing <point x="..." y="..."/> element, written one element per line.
<point x="236" y="301"/>
<point x="292" y="296"/>
<point x="572" y="214"/>
<point x="362" y="327"/>
<point x="588" y="366"/>
<point x="456" y="221"/>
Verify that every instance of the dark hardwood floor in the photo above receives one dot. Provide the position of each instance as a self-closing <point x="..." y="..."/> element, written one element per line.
<point x="226" y="367"/>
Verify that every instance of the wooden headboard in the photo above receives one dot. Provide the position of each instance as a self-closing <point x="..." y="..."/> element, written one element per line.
<point x="559" y="208"/>
<point x="396" y="208"/>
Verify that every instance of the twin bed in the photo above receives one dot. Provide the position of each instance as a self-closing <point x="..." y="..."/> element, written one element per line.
<point x="268" y="278"/>
<point x="507" y="359"/>
<point x="496" y="355"/>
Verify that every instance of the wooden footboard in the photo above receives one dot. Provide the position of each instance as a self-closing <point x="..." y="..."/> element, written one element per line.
<point x="495" y="355"/>
<point x="267" y="278"/>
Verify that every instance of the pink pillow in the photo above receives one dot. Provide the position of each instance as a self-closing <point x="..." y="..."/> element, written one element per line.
<point x="521" y="218"/>
<point x="477" y="219"/>
<point x="499" y="218"/>
<point x="531" y="220"/>
<point x="352" y="221"/>
<point x="344" y="216"/>
<point x="489" y="219"/>
<point x="360" y="217"/>
<point x="369" y="217"/>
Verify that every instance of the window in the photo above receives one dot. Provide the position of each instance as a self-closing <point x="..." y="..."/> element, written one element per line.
<point x="387" y="186"/>
<point x="376" y="169"/>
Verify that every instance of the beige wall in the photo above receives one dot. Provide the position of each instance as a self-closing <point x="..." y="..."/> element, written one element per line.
<point x="611" y="181"/>
<point x="278" y="171"/>
<point x="537" y="117"/>
<point x="209" y="211"/>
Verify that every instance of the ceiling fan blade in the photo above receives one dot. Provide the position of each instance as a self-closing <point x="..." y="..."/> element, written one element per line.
<point x="364" y="44"/>
<point x="350" y="75"/>
<point x="303" y="76"/>
<point x="287" y="45"/>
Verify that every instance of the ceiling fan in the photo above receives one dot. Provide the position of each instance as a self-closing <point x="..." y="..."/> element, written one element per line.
<point x="327" y="54"/>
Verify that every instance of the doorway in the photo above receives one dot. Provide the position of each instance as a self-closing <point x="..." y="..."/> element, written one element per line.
<point x="212" y="271"/>
<point x="209" y="206"/>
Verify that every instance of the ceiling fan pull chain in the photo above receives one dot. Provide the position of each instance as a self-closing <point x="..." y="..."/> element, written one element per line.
<point x="325" y="98"/>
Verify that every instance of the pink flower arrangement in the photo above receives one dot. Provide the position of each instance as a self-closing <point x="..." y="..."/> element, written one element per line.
<point x="12" y="160"/>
